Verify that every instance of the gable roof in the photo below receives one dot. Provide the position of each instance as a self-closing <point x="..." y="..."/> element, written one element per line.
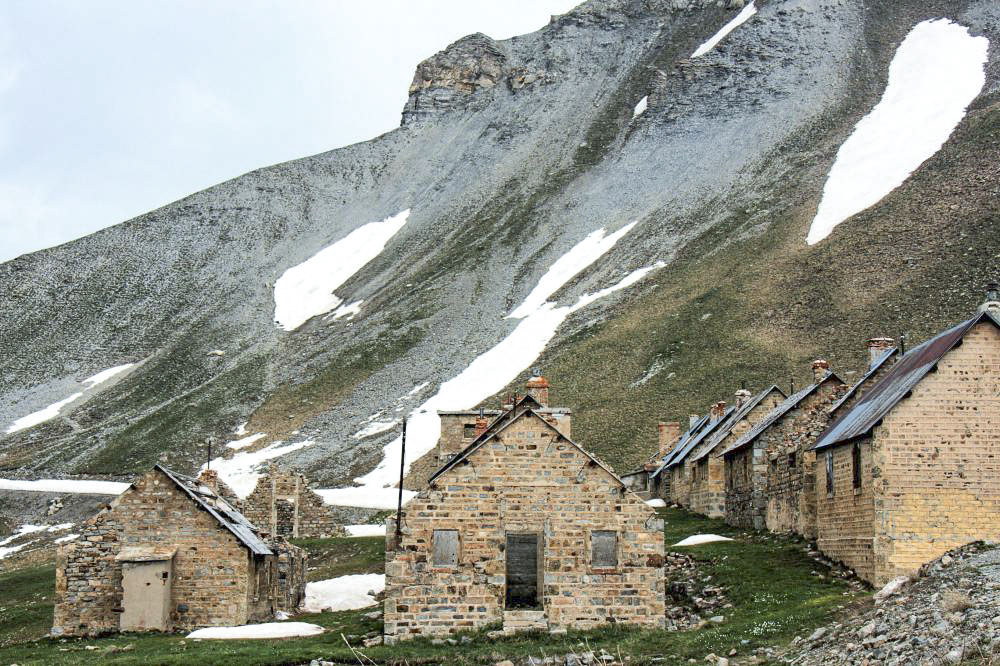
<point x="787" y="405"/>
<point x="697" y="439"/>
<point x="218" y="508"/>
<point x="504" y="421"/>
<point x="682" y="442"/>
<point x="889" y="353"/>
<point x="897" y="384"/>
<point x="741" y="413"/>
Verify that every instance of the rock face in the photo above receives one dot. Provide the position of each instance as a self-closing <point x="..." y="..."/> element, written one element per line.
<point x="451" y="79"/>
<point x="510" y="154"/>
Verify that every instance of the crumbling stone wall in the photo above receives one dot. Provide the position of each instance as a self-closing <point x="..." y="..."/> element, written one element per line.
<point x="216" y="581"/>
<point x="527" y="479"/>
<point x="283" y="505"/>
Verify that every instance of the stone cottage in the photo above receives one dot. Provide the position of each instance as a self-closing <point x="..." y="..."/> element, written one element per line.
<point x="707" y="470"/>
<point x="640" y="480"/>
<point x="169" y="554"/>
<point x="283" y="504"/>
<point x="661" y="481"/>
<point x="678" y="466"/>
<point x="911" y="470"/>
<point x="526" y="529"/>
<point x="769" y="471"/>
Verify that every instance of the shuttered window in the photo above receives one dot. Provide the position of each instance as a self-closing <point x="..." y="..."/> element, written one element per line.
<point x="445" y="548"/>
<point x="604" y="548"/>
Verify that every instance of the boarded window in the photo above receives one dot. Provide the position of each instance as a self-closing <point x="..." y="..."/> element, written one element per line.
<point x="856" y="464"/>
<point x="446" y="548"/>
<point x="469" y="431"/>
<point x="604" y="548"/>
<point x="829" y="472"/>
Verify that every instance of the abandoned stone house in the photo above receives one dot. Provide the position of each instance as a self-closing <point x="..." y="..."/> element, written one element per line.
<point x="642" y="480"/>
<point x="525" y="528"/>
<point x="706" y="469"/>
<point x="911" y="469"/>
<point x="769" y="474"/>
<point x="283" y="504"/>
<point x="676" y="466"/>
<point x="170" y="554"/>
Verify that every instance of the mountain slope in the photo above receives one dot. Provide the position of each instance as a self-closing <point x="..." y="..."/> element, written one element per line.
<point x="509" y="155"/>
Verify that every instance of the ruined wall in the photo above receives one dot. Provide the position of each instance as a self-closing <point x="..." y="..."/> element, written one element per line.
<point x="939" y="484"/>
<point x="845" y="518"/>
<point x="526" y="479"/>
<point x="679" y="488"/>
<point x="746" y="485"/>
<point x="215" y="579"/>
<point x="791" y="473"/>
<point x="283" y="505"/>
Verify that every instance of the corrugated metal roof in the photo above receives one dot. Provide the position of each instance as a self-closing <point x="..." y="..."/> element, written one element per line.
<point x="745" y="408"/>
<point x="786" y="406"/>
<point x="218" y="508"/>
<point x="889" y="353"/>
<point x="869" y="411"/>
<point x="681" y="443"/>
<point x="698" y="438"/>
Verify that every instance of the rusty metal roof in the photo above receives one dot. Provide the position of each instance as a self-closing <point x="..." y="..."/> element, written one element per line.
<point x="772" y="417"/>
<point x="744" y="409"/>
<point x="218" y="508"/>
<point x="889" y="353"/>
<point x="896" y="385"/>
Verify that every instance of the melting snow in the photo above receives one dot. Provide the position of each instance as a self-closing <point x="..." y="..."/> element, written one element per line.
<point x="351" y="309"/>
<point x="374" y="428"/>
<point x="700" y="539"/>
<point x="640" y="108"/>
<point x="418" y="388"/>
<point x="67" y="538"/>
<point x="266" y="630"/>
<point x="365" y="530"/>
<point x="105" y="375"/>
<point x="240" y="472"/>
<point x="306" y="290"/>
<point x="737" y="21"/>
<point x="365" y="497"/>
<point x="246" y="441"/>
<point x="41" y="415"/>
<point x="936" y="73"/>
<point x="343" y="593"/>
<point x="656" y="503"/>
<point x="29" y="529"/>
<point x="241" y="429"/>
<point x="66" y="486"/>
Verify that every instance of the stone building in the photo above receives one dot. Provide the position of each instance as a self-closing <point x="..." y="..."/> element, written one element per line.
<point x="678" y="466"/>
<point x="706" y="469"/>
<point x="911" y="469"/>
<point x="641" y="479"/>
<point x="769" y="470"/>
<point x="283" y="504"/>
<point x="525" y="529"/>
<point x="664" y="481"/>
<point x="170" y="554"/>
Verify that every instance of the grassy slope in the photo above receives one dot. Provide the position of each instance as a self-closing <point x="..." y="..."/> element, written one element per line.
<point x="768" y="579"/>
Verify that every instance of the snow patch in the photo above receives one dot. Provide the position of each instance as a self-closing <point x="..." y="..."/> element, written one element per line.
<point x="246" y="441"/>
<point x="351" y="309"/>
<point x="241" y="429"/>
<point x="364" y="497"/>
<point x="737" y="21"/>
<point x="936" y="73"/>
<point x="240" y="472"/>
<point x="365" y="530"/>
<point x="656" y="503"/>
<point x="306" y="290"/>
<point x="343" y="593"/>
<point x="66" y="486"/>
<point x="105" y="375"/>
<point x="418" y="388"/>
<point x="700" y="539"/>
<point x="266" y="630"/>
<point x="640" y="108"/>
<point x="374" y="428"/>
<point x="67" y="538"/>
<point x="10" y="550"/>
<point x="41" y="415"/>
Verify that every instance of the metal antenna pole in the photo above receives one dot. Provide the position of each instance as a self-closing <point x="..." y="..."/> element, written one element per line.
<point x="399" y="504"/>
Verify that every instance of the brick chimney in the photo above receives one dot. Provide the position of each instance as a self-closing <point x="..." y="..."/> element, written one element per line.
<point x="669" y="433"/>
<point x="538" y="388"/>
<point x="820" y="368"/>
<point x="877" y="347"/>
<point x="210" y="479"/>
<point x="992" y="302"/>
<point x="481" y="423"/>
<point x="718" y="410"/>
<point x="741" y="397"/>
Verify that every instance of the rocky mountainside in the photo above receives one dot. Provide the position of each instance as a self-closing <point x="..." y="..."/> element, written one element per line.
<point x="513" y="155"/>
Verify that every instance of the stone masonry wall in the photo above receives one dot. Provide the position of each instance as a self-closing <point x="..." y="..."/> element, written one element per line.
<point x="741" y="508"/>
<point x="526" y="479"/>
<point x="214" y="575"/>
<point x="791" y="475"/>
<point x="845" y="518"/>
<point x="283" y="505"/>
<point x="939" y="482"/>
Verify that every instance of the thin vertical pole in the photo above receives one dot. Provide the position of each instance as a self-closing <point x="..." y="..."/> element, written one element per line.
<point x="399" y="504"/>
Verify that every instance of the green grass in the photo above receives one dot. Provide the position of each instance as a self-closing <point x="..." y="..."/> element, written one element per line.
<point x="768" y="579"/>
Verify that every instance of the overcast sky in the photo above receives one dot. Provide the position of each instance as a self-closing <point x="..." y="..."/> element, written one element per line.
<point x="111" y="109"/>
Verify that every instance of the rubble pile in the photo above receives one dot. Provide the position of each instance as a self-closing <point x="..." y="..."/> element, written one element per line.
<point x="692" y="600"/>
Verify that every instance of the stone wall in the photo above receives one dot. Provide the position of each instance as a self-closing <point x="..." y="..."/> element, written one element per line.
<point x="527" y="479"/>
<point x="283" y="505"/>
<point x="845" y="518"/>
<point x="215" y="581"/>
<point x="746" y="482"/>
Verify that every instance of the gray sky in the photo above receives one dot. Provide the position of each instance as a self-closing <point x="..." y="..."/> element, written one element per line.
<point x="111" y="109"/>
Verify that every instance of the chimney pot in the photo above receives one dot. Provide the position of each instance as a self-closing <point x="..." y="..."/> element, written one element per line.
<point x="876" y="348"/>
<point x="742" y="396"/>
<point x="718" y="410"/>
<point x="210" y="479"/>
<point x="820" y="367"/>
<point x="992" y="303"/>
<point x="538" y="388"/>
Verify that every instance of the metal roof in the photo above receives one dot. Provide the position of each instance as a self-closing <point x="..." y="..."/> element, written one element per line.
<point x="681" y="443"/>
<point x="889" y="353"/>
<point x="501" y="424"/>
<point x="786" y="406"/>
<point x="897" y="384"/>
<point x="744" y="409"/>
<point x="218" y="508"/>
<point x="697" y="439"/>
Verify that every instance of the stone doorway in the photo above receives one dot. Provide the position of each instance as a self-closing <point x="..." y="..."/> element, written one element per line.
<point x="147" y="580"/>
<point x="524" y="565"/>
